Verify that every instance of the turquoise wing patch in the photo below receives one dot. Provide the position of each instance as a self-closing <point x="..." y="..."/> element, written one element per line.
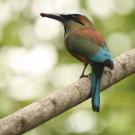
<point x="102" y="55"/>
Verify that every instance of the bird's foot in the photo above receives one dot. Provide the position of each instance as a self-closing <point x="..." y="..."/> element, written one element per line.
<point x="84" y="76"/>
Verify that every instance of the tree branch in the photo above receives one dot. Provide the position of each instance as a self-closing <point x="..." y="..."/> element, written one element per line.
<point x="59" y="101"/>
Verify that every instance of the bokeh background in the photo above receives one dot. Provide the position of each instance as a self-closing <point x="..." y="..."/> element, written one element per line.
<point x="34" y="63"/>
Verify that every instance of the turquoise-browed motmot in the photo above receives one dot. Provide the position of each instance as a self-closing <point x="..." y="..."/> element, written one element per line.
<point x="86" y="44"/>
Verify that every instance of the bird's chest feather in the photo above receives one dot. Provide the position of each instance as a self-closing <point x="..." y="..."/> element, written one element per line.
<point x="69" y="41"/>
<point x="72" y="44"/>
<point x="80" y="44"/>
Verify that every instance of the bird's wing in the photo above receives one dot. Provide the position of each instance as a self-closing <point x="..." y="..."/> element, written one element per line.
<point x="88" y="43"/>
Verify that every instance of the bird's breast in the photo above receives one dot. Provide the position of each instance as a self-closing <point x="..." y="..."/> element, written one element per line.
<point x="70" y="40"/>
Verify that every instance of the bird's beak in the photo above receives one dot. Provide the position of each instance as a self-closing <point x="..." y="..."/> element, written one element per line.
<point x="53" y="16"/>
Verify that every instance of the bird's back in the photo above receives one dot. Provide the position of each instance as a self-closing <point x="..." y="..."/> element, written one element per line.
<point x="87" y="43"/>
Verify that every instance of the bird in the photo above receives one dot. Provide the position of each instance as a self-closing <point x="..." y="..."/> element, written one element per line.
<point x="85" y="43"/>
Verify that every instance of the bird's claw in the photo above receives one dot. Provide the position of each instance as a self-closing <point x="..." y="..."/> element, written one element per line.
<point x="84" y="76"/>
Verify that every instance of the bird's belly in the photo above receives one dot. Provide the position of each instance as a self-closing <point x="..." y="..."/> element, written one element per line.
<point x="79" y="57"/>
<point x="69" y="47"/>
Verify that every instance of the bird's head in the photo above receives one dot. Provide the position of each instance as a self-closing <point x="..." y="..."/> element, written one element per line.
<point x="70" y="21"/>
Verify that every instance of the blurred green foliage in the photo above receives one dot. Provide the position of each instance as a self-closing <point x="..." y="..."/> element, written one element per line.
<point x="117" y="104"/>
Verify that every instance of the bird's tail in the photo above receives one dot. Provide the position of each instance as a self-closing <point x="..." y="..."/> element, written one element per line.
<point x="97" y="70"/>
